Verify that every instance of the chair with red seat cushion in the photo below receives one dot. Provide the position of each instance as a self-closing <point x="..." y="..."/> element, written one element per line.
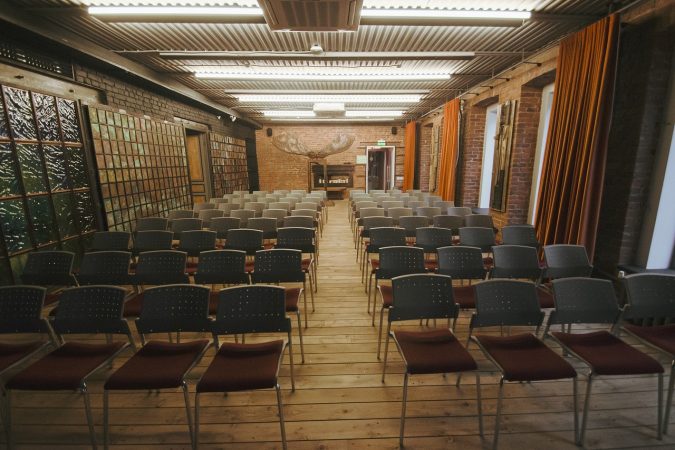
<point x="221" y="267"/>
<point x="566" y="261"/>
<point x="520" y="235"/>
<point x="82" y="310"/>
<point x="386" y="236"/>
<point x="481" y="237"/>
<point x="193" y="243"/>
<point x="303" y="239"/>
<point x="591" y="301"/>
<point x="520" y="261"/>
<point x="521" y="357"/>
<point x="52" y="269"/>
<point x="164" y="365"/>
<point x="422" y="296"/>
<point x="651" y="297"/>
<point x="431" y="239"/>
<point x="464" y="264"/>
<point x="105" y="267"/>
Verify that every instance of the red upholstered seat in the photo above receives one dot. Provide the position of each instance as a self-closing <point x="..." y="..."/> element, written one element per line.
<point x="606" y="354"/>
<point x="158" y="365"/>
<point x="662" y="336"/>
<point x="545" y="298"/>
<point x="240" y="367"/>
<point x="249" y="266"/>
<point x="306" y="262"/>
<point x="387" y="294"/>
<point x="191" y="268"/>
<point x="133" y="306"/>
<point x="436" y="351"/>
<point x="292" y="298"/>
<point x="52" y="298"/>
<point x="523" y="357"/>
<point x="12" y="353"/>
<point x="465" y="296"/>
<point x="213" y="302"/>
<point x="65" y="367"/>
<point x="430" y="264"/>
<point x="375" y="264"/>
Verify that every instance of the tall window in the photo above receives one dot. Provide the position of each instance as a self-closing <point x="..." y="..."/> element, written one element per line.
<point x="544" y="118"/>
<point x="491" y="122"/>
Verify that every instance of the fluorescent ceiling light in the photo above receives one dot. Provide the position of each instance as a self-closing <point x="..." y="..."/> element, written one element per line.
<point x="304" y="76"/>
<point x="354" y="113"/>
<point x="283" y="113"/>
<point x="173" y="11"/>
<point x="347" y="98"/>
<point x="445" y="13"/>
<point x="357" y="113"/>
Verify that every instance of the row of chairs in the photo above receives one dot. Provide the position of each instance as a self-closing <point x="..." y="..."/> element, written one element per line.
<point x="158" y="364"/>
<point x="524" y="357"/>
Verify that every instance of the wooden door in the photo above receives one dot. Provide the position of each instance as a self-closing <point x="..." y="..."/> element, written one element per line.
<point x="197" y="178"/>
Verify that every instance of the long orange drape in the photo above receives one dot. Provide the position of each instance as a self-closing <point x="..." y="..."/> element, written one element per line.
<point x="576" y="148"/>
<point x="447" y="174"/>
<point x="409" y="162"/>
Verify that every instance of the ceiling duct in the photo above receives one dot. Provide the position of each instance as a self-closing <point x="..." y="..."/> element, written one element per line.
<point x="329" y="109"/>
<point x="312" y="15"/>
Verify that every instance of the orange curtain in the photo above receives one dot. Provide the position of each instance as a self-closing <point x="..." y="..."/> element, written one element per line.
<point x="568" y="209"/>
<point x="449" y="150"/>
<point x="409" y="162"/>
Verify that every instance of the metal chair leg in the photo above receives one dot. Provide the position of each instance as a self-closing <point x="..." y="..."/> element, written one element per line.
<point x="379" y="332"/>
<point x="584" y="417"/>
<point x="281" y="418"/>
<point x="186" y="395"/>
<point x="90" y="419"/>
<point x="304" y="292"/>
<point x="302" y="346"/>
<point x="7" y="419"/>
<point x="195" y="439"/>
<point x="479" y="399"/>
<point x="386" y="351"/>
<point x="500" y="396"/>
<point x="405" y="399"/>
<point x="290" y="357"/>
<point x="575" y="404"/>
<point x="659" y="424"/>
<point x="669" y="398"/>
<point x="106" y="419"/>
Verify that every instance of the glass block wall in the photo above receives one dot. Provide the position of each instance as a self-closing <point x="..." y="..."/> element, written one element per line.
<point x="141" y="164"/>
<point x="45" y="194"/>
<point x="229" y="169"/>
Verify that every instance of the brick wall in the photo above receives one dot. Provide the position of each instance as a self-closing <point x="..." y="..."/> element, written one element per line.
<point x="471" y="150"/>
<point x="424" y="151"/>
<point x="281" y="170"/>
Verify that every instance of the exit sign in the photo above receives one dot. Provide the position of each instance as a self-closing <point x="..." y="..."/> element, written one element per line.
<point x="381" y="143"/>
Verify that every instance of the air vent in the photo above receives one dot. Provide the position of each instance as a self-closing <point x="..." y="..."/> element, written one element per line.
<point x="312" y="15"/>
<point x="30" y="58"/>
<point x="329" y="109"/>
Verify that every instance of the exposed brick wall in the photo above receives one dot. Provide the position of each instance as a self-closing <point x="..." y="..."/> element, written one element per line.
<point x="424" y="150"/>
<point x="472" y="155"/>
<point x="280" y="170"/>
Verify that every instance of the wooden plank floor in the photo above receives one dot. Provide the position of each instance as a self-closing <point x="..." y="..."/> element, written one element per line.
<point x="340" y="402"/>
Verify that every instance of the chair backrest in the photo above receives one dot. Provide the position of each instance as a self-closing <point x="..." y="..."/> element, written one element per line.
<point x="461" y="262"/>
<point x="298" y="221"/>
<point x="21" y="309"/>
<point x="429" y="212"/>
<point x="268" y="225"/>
<point x="227" y="208"/>
<point x="278" y="266"/>
<point x="194" y="242"/>
<point x="111" y="267"/>
<point x="476" y="210"/>
<point x="297" y="238"/>
<point x="396" y="213"/>
<point x="180" y="214"/>
<point x="506" y="302"/>
<point x="207" y="214"/>
<point x="387" y="205"/>
<point x="520" y="235"/>
<point x="371" y="212"/>
<point x="221" y="224"/>
<point x="414" y="204"/>
<point x="245" y="239"/>
<point x="152" y="240"/>
<point x="299" y="191"/>
<point x="218" y="201"/>
<point x="365" y="204"/>
<point x="221" y="267"/>
<point x="161" y="267"/>
<point x="178" y="226"/>
<point x="260" y="192"/>
<point x="91" y="309"/>
<point x="584" y="300"/>
<point x="280" y="205"/>
<point x="255" y="206"/>
<point x="412" y="223"/>
<point x="377" y="222"/>
<point x="565" y="261"/>
<point x="452" y="222"/>
<point x="308" y="205"/>
<point x="353" y="192"/>
<point x="432" y="238"/>
<point x="400" y="260"/>
<point x="203" y="206"/>
<point x="305" y="212"/>
<point x="515" y="261"/>
<point x="459" y="211"/>
<point x="278" y="214"/>
<point x="290" y="200"/>
<point x="49" y="268"/>
<point x="479" y="220"/>
<point x="385" y="237"/>
<point x="431" y="199"/>
<point x="173" y="308"/>
<point x="422" y="296"/>
<point x="481" y="237"/>
<point x="243" y="215"/>
<point x="282" y="191"/>
<point x="151" y="224"/>
<point x="111" y="240"/>
<point x="251" y="309"/>
<point x="650" y="295"/>
<point x="444" y="205"/>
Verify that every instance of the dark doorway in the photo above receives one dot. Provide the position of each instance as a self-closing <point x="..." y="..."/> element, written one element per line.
<point x="380" y="168"/>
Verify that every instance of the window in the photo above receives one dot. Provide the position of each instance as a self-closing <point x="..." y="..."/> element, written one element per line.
<point x="544" y="118"/>
<point x="491" y="122"/>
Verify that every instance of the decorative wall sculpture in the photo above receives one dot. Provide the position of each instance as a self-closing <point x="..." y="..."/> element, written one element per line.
<point x="229" y="171"/>
<point x="502" y="159"/>
<point x="290" y="143"/>
<point x="142" y="166"/>
<point x="45" y="194"/>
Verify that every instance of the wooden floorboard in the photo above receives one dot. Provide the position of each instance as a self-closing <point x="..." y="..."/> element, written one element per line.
<point x="340" y="401"/>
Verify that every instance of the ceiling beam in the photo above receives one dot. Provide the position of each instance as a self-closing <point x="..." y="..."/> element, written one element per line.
<point x="273" y="55"/>
<point x="46" y="29"/>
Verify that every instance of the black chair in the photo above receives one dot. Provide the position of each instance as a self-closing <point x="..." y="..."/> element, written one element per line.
<point x="429" y="212"/>
<point x="221" y="225"/>
<point x="431" y="239"/>
<point x="298" y="222"/>
<point x="158" y="364"/>
<point x="268" y="226"/>
<point x="367" y="223"/>
<point x="479" y="220"/>
<point x="452" y="222"/>
<point x="151" y="224"/>
<point x="459" y="211"/>
<point x="592" y="301"/>
<point x="82" y="310"/>
<point x="394" y="261"/>
<point x="195" y="242"/>
<point x="284" y="266"/>
<point x="427" y="352"/>
<point x="221" y="267"/>
<point x="111" y="267"/>
<point x="411" y="223"/>
<point x="180" y="214"/>
<point x="466" y="265"/>
<point x="207" y="215"/>
<point x="379" y="237"/>
<point x="521" y="357"/>
<point x="244" y="239"/>
<point x="303" y="239"/>
<point x="51" y="269"/>
<point x="481" y="237"/>
<point x="519" y="261"/>
<point x="566" y="261"/>
<point x="110" y="240"/>
<point x="520" y="235"/>
<point x="179" y="226"/>
<point x="651" y="300"/>
<point x="151" y="240"/>
<point x="242" y="367"/>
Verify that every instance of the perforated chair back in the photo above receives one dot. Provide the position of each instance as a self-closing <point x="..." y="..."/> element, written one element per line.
<point x="483" y="238"/>
<point x="151" y="224"/>
<point x="280" y="205"/>
<point x="180" y="214"/>
<point x="305" y="204"/>
<point x="305" y="212"/>
<point x="422" y="297"/>
<point x="506" y="302"/>
<point x="650" y="296"/>
<point x="298" y="222"/>
<point x="385" y="237"/>
<point x="145" y="241"/>
<point x="429" y="212"/>
<point x="173" y="308"/>
<point x="376" y="222"/>
<point x="222" y="267"/>
<point x="251" y="309"/>
<point x="195" y="242"/>
<point x="198" y="207"/>
<point x="278" y="266"/>
<point x="414" y="204"/>
<point x="296" y="238"/>
<point x="411" y="223"/>
<point x="227" y="208"/>
<point x="396" y="213"/>
<point x="520" y="235"/>
<point x="431" y="238"/>
<point x="277" y="214"/>
<point x="364" y="204"/>
<point x="21" y="309"/>
<point x="91" y="309"/>
<point x="371" y="212"/>
<point x="49" y="268"/>
<point x="290" y="200"/>
<point x="584" y="300"/>
<point x="400" y="260"/>
<point x="461" y="262"/>
<point x="268" y="226"/>
<point x="475" y="210"/>
<point x="207" y="215"/>
<point x="178" y="226"/>
<point x="479" y="220"/>
<point x="515" y="261"/>
<point x="387" y="205"/>
<point x="111" y="240"/>
<point x="565" y="261"/>
<point x="452" y="222"/>
<point x="459" y="211"/>
<point x="444" y="205"/>
<point x="161" y="267"/>
<point x="244" y="239"/>
<point x="243" y="215"/>
<point x="222" y="224"/>
<point x="255" y="206"/>
<point x="105" y="268"/>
